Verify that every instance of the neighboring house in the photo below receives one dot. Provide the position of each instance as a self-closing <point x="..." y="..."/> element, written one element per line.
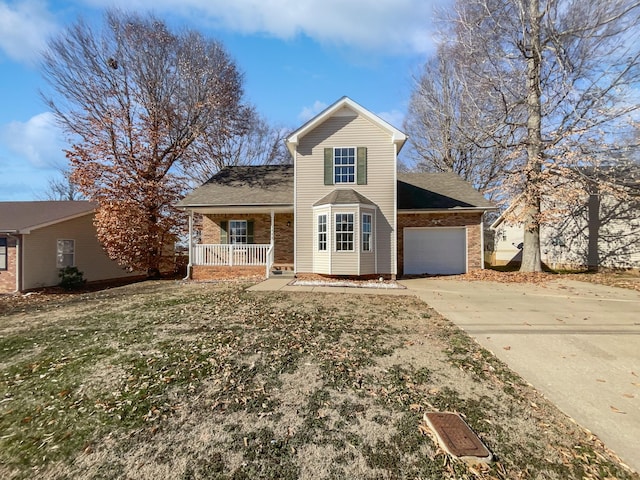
<point x="341" y="209"/>
<point x="596" y="231"/>
<point x="37" y="239"/>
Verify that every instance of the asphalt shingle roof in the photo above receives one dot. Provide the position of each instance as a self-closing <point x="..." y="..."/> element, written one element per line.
<point x="21" y="216"/>
<point x="343" y="196"/>
<point x="443" y="190"/>
<point x="273" y="185"/>
<point x="245" y="185"/>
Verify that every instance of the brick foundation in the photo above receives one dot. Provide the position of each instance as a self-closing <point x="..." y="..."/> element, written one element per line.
<point x="325" y="278"/>
<point x="203" y="273"/>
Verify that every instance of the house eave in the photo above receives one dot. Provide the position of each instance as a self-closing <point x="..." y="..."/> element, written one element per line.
<point x="397" y="137"/>
<point x="239" y="208"/>
<point x="446" y="210"/>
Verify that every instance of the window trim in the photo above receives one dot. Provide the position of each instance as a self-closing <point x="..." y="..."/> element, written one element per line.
<point x="60" y="253"/>
<point x="4" y="256"/>
<point x="342" y="165"/>
<point x="322" y="233"/>
<point x="339" y="233"/>
<point x="367" y="236"/>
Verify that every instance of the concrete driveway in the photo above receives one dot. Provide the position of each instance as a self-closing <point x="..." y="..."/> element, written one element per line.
<point x="577" y="343"/>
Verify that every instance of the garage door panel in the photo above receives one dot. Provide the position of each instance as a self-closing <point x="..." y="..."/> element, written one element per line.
<point x="435" y="251"/>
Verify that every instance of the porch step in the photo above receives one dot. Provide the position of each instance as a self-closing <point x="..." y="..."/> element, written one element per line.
<point x="283" y="270"/>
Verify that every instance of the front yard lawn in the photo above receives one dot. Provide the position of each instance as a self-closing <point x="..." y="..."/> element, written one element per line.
<point x="183" y="381"/>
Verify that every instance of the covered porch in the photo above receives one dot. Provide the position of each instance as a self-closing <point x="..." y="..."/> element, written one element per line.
<point x="241" y="241"/>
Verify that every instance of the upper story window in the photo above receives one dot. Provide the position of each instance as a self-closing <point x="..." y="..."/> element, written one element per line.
<point x="344" y="165"/>
<point x="322" y="233"/>
<point x="344" y="231"/>
<point x="3" y="253"/>
<point x="66" y="253"/>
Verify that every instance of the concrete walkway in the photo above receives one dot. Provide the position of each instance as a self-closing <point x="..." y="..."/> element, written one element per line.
<point x="576" y="343"/>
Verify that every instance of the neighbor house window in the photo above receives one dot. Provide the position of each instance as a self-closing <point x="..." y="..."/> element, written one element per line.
<point x="322" y="232"/>
<point x="66" y="252"/>
<point x="238" y="232"/>
<point x="344" y="165"/>
<point x="366" y="232"/>
<point x="344" y="231"/>
<point x="3" y="253"/>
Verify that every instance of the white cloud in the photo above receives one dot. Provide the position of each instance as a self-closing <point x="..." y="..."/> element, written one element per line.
<point x="308" y="113"/>
<point x="38" y="141"/>
<point x="387" y="26"/>
<point x="394" y="117"/>
<point x="24" y="29"/>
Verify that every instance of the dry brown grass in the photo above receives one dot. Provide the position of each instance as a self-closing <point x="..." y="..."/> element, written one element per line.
<point x="176" y="381"/>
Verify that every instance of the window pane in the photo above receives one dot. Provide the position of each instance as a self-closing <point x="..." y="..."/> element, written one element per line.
<point x="366" y="232"/>
<point x="344" y="231"/>
<point x="322" y="232"/>
<point x="65" y="253"/>
<point x="344" y="161"/>
<point x="3" y="253"/>
<point x="238" y="232"/>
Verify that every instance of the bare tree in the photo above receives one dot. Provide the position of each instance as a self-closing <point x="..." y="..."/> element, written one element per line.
<point x="134" y="97"/>
<point x="450" y="126"/>
<point x="253" y="142"/>
<point x="564" y="72"/>
<point x="60" y="187"/>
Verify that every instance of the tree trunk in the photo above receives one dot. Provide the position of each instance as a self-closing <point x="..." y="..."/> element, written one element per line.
<point x="531" y="261"/>
<point x="593" y="222"/>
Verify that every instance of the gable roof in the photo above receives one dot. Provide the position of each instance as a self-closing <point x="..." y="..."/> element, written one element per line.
<point x="22" y="217"/>
<point x="436" y="191"/>
<point x="397" y="137"/>
<point x="343" y="196"/>
<point x="255" y="185"/>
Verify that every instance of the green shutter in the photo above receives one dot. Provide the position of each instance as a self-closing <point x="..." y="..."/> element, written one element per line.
<point x="249" y="231"/>
<point x="362" y="165"/>
<point x="223" y="232"/>
<point x="328" y="166"/>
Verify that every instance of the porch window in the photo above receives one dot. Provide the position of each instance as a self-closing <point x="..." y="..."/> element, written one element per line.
<point x="66" y="253"/>
<point x="3" y="253"/>
<point x="322" y="233"/>
<point x="344" y="232"/>
<point x="366" y="232"/>
<point x="237" y="232"/>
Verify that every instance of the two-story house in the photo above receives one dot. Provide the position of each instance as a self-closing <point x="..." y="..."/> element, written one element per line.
<point x="341" y="209"/>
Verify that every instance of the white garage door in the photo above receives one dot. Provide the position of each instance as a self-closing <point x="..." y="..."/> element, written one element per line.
<point x="438" y="250"/>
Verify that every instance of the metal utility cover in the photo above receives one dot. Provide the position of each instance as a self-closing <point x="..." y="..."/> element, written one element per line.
<point x="456" y="438"/>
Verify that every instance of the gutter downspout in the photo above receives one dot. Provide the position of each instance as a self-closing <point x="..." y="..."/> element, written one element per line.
<point x="482" y="240"/>
<point x="190" y="242"/>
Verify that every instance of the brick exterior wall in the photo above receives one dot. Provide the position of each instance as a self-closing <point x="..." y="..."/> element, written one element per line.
<point x="472" y="221"/>
<point x="8" y="276"/>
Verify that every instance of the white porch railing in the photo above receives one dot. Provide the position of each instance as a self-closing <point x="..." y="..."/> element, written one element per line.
<point x="230" y="255"/>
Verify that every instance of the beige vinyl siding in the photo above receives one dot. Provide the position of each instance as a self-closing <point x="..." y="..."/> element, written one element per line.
<point x="39" y="254"/>
<point x="368" y="259"/>
<point x="346" y="129"/>
<point x="346" y="262"/>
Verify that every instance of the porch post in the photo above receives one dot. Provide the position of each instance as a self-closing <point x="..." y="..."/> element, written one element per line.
<point x="190" y="243"/>
<point x="272" y="227"/>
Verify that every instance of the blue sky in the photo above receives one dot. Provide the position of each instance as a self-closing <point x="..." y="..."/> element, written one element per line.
<point x="298" y="56"/>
